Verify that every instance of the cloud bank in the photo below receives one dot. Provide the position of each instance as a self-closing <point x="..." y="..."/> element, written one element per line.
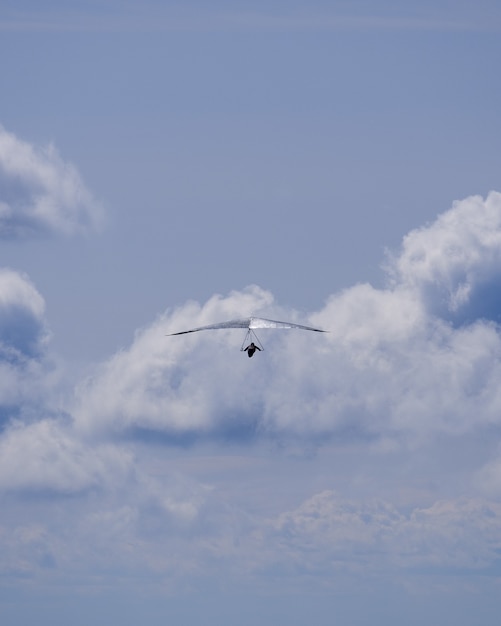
<point x="40" y="193"/>
<point x="184" y="459"/>
<point x="401" y="363"/>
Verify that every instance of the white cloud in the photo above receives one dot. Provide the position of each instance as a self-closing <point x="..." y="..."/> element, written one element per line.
<point x="23" y="329"/>
<point x="27" y="376"/>
<point x="40" y="193"/>
<point x="392" y="365"/>
<point x="450" y="261"/>
<point x="47" y="456"/>
<point x="156" y="384"/>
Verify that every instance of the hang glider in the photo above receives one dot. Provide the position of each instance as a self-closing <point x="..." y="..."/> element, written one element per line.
<point x="251" y="324"/>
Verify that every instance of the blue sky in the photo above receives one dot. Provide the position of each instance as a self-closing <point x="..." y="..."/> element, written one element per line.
<point x="167" y="165"/>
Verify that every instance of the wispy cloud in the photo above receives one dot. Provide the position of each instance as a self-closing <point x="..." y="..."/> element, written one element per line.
<point x="40" y="193"/>
<point x="155" y="16"/>
<point x="462" y="534"/>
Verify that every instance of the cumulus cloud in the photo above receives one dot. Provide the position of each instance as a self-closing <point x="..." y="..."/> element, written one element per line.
<point x="41" y="193"/>
<point x="26" y="372"/>
<point x="455" y="263"/>
<point x="156" y="384"/>
<point x="23" y="329"/>
<point x="46" y="456"/>
<point x="393" y="365"/>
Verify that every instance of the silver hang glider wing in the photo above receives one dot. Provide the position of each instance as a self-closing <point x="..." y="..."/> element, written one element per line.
<point x="250" y="323"/>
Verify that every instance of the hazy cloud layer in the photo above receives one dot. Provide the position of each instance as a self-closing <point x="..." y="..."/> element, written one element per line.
<point x="179" y="458"/>
<point x="40" y="193"/>
<point x="179" y="532"/>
